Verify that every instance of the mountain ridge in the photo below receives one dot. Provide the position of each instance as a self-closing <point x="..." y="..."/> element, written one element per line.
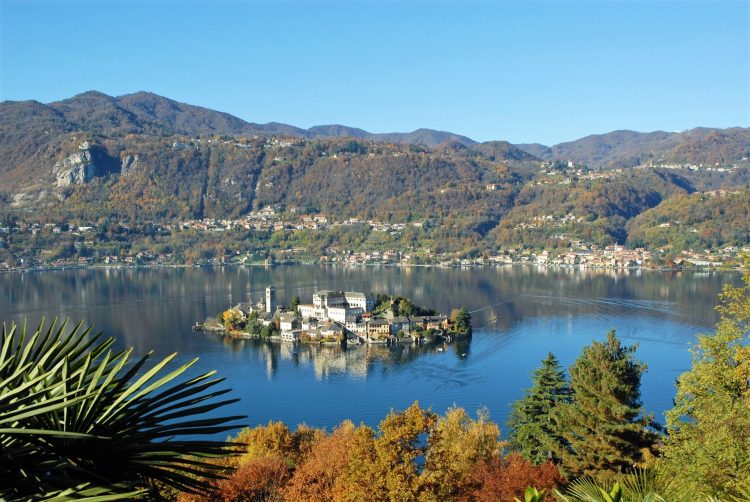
<point x="145" y="112"/>
<point x="144" y="158"/>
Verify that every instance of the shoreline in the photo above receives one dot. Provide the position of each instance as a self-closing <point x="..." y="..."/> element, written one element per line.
<point x="378" y="265"/>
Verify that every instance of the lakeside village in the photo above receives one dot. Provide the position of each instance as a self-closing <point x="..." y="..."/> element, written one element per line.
<point x="88" y="248"/>
<point x="340" y="318"/>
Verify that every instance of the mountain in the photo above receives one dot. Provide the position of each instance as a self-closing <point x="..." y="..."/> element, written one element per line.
<point x="426" y="137"/>
<point x="142" y="157"/>
<point x="145" y="112"/>
<point x="148" y="113"/>
<point x="502" y="150"/>
<point x="621" y="149"/>
<point x="338" y="131"/>
<point x="536" y="149"/>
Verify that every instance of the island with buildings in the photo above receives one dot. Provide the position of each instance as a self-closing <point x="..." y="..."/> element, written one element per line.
<point x="340" y="318"/>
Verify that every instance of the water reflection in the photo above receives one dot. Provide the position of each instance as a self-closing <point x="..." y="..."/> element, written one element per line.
<point x="327" y="361"/>
<point x="519" y="314"/>
<point x="143" y="306"/>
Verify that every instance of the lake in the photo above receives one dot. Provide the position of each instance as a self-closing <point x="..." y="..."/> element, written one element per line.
<point x="519" y="314"/>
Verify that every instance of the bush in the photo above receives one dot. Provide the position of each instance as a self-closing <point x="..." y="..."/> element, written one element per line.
<point x="502" y="479"/>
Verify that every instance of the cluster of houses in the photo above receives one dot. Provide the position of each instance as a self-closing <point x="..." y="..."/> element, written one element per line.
<point x="340" y="316"/>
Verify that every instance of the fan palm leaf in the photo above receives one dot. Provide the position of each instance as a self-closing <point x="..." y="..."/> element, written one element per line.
<point x="76" y="415"/>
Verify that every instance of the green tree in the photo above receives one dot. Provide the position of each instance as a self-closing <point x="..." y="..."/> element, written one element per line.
<point x="531" y="429"/>
<point x="405" y="307"/>
<point x="295" y="303"/>
<point x="708" y="444"/>
<point x="604" y="429"/>
<point x="463" y="320"/>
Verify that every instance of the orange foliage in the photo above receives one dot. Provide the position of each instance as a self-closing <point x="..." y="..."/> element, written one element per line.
<point x="502" y="479"/>
<point x="258" y="479"/>
<point x="315" y="479"/>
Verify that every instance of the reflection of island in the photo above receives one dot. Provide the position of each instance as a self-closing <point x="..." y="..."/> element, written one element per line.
<point x="355" y="361"/>
<point x="154" y="308"/>
<point x="339" y="318"/>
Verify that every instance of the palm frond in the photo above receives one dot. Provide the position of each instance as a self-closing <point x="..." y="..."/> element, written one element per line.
<point x="76" y="415"/>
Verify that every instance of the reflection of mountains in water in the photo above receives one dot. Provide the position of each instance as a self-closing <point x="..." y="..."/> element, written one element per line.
<point x="154" y="308"/>
<point x="330" y="361"/>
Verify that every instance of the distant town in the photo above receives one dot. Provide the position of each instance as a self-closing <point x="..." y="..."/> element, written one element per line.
<point x="84" y="246"/>
<point x="340" y="318"/>
<point x="277" y="233"/>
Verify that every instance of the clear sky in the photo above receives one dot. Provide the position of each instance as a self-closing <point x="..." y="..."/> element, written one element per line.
<point x="532" y="71"/>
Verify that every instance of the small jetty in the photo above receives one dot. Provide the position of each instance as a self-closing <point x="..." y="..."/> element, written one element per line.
<point x="210" y="325"/>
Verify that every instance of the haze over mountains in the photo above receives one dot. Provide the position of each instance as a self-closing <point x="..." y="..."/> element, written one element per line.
<point x="148" y="113"/>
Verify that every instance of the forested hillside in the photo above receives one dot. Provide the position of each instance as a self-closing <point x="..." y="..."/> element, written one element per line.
<point x="588" y="210"/>
<point x="698" y="221"/>
<point x="142" y="158"/>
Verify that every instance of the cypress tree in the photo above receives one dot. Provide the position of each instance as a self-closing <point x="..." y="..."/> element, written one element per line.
<point x="532" y="432"/>
<point x="603" y="426"/>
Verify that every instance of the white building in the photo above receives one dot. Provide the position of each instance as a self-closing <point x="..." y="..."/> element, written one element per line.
<point x="288" y="322"/>
<point x="307" y="310"/>
<point x="365" y="301"/>
<point x="343" y="315"/>
<point x="326" y="299"/>
<point x="270" y="299"/>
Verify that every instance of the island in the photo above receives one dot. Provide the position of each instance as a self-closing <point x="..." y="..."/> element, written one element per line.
<point x="340" y="318"/>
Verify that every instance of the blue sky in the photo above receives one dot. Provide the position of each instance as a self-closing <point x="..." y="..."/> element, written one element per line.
<point x="533" y="71"/>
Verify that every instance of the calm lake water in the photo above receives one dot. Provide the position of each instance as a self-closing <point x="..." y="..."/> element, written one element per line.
<point x="519" y="314"/>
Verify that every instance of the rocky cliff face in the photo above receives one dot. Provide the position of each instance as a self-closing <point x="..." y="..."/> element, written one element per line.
<point x="75" y="169"/>
<point x="89" y="161"/>
<point x="129" y="163"/>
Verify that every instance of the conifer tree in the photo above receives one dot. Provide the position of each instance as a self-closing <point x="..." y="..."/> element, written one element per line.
<point x="531" y="431"/>
<point x="463" y="320"/>
<point x="708" y="446"/>
<point x="603" y="426"/>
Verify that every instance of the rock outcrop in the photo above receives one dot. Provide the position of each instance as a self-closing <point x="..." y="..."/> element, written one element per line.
<point x="128" y="163"/>
<point x="75" y="169"/>
<point x="90" y="161"/>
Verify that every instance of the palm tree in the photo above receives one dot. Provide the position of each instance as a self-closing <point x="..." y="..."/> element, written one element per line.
<point x="78" y="419"/>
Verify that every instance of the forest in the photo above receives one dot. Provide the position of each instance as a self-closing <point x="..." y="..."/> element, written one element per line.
<point x="153" y="161"/>
<point x="452" y="199"/>
<point x="79" y="421"/>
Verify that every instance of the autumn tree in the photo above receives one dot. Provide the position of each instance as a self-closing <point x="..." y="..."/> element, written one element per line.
<point x="319" y="477"/>
<point x="531" y="430"/>
<point x="356" y="482"/>
<point x="233" y="319"/>
<point x="604" y="429"/>
<point x="400" y="444"/>
<point x="708" y="445"/>
<point x="256" y="479"/>
<point x="502" y="479"/>
<point x="456" y="445"/>
<point x="384" y="467"/>
<point x="276" y="439"/>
